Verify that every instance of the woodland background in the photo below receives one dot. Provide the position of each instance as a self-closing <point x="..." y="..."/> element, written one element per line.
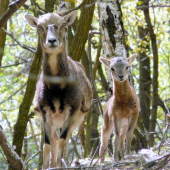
<point x="145" y="31"/>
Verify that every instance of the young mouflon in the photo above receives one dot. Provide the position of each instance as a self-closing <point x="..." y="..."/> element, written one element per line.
<point x="122" y="109"/>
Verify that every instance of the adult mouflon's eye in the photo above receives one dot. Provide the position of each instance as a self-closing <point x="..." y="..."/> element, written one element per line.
<point x="127" y="67"/>
<point x="112" y="69"/>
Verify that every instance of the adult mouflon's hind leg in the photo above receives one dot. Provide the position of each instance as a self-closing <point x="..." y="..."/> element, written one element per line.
<point x="72" y="122"/>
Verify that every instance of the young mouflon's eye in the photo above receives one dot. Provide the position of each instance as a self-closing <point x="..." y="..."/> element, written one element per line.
<point x="39" y="27"/>
<point x="112" y="69"/>
<point x="127" y="67"/>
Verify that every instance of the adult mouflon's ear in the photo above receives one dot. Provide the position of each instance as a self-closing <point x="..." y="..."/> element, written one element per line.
<point x="131" y="58"/>
<point x="105" y="61"/>
<point x="69" y="18"/>
<point x="32" y="20"/>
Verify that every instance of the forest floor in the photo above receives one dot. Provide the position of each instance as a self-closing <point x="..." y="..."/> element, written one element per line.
<point x="146" y="159"/>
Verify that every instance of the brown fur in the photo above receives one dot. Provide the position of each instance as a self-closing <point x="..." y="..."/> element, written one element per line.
<point x="121" y="111"/>
<point x="64" y="93"/>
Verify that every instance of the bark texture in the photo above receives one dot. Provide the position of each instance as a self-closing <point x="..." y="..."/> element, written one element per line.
<point x="21" y="124"/>
<point x="75" y="49"/>
<point x="49" y="5"/>
<point x="3" y="8"/>
<point x="144" y="79"/>
<point x="12" y="157"/>
<point x="155" y="96"/>
<point x="111" y="27"/>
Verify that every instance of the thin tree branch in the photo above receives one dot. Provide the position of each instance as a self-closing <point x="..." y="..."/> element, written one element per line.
<point x="8" y="122"/>
<point x="12" y="65"/>
<point x="166" y="129"/>
<point x="94" y="153"/>
<point x="40" y="7"/>
<point x="78" y="7"/>
<point x="152" y="6"/>
<point x="13" y="94"/>
<point x="27" y="7"/>
<point x="100" y="156"/>
<point x="21" y="45"/>
<point x="31" y="157"/>
<point x="13" y="7"/>
<point x="32" y="131"/>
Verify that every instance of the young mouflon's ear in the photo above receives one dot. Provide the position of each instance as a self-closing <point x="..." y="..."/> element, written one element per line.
<point x="131" y="58"/>
<point x="69" y="18"/>
<point x="105" y="61"/>
<point x="31" y="20"/>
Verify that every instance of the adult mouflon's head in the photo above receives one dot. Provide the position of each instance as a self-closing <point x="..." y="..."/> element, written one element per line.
<point x="119" y="66"/>
<point x="52" y="28"/>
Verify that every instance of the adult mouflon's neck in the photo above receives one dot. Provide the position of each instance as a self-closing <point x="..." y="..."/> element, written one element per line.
<point x="56" y="64"/>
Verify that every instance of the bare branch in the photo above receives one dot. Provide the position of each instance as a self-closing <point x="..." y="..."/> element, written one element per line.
<point x="32" y="131"/>
<point x="8" y="122"/>
<point x="13" y="7"/>
<point x="94" y="154"/>
<point x="11" y="155"/>
<point x="13" y="93"/>
<point x="78" y="7"/>
<point x="152" y="6"/>
<point x="21" y="45"/>
<point x="40" y="8"/>
<point x="31" y="158"/>
<point x="12" y="65"/>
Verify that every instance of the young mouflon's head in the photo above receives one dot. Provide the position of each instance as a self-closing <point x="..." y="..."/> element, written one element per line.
<point x="119" y="66"/>
<point x="52" y="29"/>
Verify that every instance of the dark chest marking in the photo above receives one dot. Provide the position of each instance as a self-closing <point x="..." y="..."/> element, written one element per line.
<point x="125" y="104"/>
<point x="67" y="96"/>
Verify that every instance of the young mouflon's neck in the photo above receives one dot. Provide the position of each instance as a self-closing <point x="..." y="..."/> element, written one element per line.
<point x="121" y="88"/>
<point x="55" y="64"/>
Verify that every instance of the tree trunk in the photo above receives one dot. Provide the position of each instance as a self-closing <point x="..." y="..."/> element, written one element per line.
<point x="20" y="126"/>
<point x="112" y="31"/>
<point x="155" y="75"/>
<point x="3" y="8"/>
<point x="78" y="42"/>
<point x="87" y="145"/>
<point x="144" y="79"/>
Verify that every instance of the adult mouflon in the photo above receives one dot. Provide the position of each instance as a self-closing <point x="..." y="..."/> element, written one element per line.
<point x="64" y="94"/>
